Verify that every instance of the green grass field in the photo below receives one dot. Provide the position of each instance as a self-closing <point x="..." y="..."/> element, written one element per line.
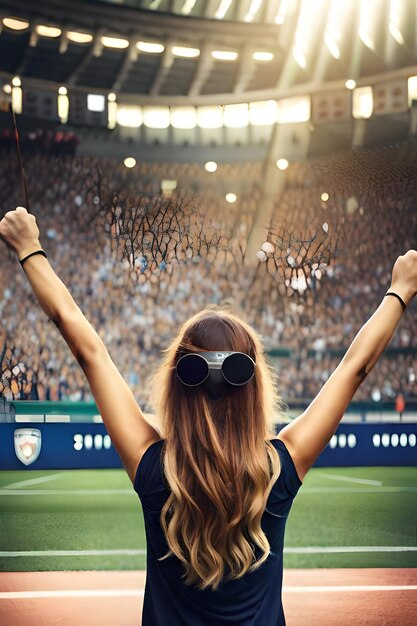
<point x="85" y="510"/>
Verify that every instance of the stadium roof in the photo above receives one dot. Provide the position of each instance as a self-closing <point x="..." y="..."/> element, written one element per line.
<point x="214" y="49"/>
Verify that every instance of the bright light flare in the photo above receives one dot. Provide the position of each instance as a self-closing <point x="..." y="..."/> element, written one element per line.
<point x="255" y="5"/>
<point x="129" y="116"/>
<point x="184" y="117"/>
<point x="263" y="56"/>
<point x="368" y="13"/>
<point x="293" y="110"/>
<point x="363" y="103"/>
<point x="48" y="31"/>
<point x="395" y="19"/>
<point x="150" y="47"/>
<point x="15" y="24"/>
<point x="211" y="166"/>
<point x="412" y="89"/>
<point x="336" y="22"/>
<point x="236" y="115"/>
<point x="263" y="113"/>
<point x="77" y="37"/>
<point x="63" y="105"/>
<point x="309" y="19"/>
<point x="156" y="117"/>
<point x="224" y="55"/>
<point x="96" y="102"/>
<point x="185" y="51"/>
<point x="210" y="116"/>
<point x="187" y="7"/>
<point x="224" y="6"/>
<point x="283" y="10"/>
<point x="282" y="164"/>
<point x="118" y="43"/>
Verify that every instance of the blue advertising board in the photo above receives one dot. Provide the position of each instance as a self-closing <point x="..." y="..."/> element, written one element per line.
<point x="87" y="445"/>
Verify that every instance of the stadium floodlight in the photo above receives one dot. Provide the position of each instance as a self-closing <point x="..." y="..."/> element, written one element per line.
<point x="262" y="56"/>
<point x="114" y="42"/>
<point x="63" y="105"/>
<point x="363" y="103"/>
<point x="78" y="37"/>
<point x="254" y="7"/>
<point x="150" y="47"/>
<point x="224" y="55"/>
<point x="17" y="94"/>
<point x="47" y="31"/>
<point x="412" y="89"/>
<point x="350" y="83"/>
<point x="263" y="113"/>
<point x="15" y="24"/>
<point x="96" y="102"/>
<point x="187" y="7"/>
<point x="293" y="110"/>
<point x="210" y="116"/>
<point x="236" y="115"/>
<point x="282" y="164"/>
<point x="185" y="51"/>
<point x="223" y="8"/>
<point x="129" y="116"/>
<point x="129" y="162"/>
<point x="111" y="111"/>
<point x="156" y="117"/>
<point x="395" y="18"/>
<point x="325" y="196"/>
<point x="231" y="198"/>
<point x="211" y="166"/>
<point x="368" y="22"/>
<point x="184" y="117"/>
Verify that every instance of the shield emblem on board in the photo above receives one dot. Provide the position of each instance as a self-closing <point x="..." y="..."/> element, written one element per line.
<point x="27" y="444"/>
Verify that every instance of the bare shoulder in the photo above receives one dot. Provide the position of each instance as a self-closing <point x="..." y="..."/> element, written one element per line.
<point x="300" y="468"/>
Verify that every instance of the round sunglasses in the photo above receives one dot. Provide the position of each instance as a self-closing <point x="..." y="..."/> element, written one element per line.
<point x="194" y="368"/>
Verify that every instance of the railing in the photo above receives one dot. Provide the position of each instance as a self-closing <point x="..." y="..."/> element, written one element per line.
<point x="67" y="411"/>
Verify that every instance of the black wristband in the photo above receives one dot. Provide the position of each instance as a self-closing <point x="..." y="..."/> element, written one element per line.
<point x="31" y="254"/>
<point x="391" y="293"/>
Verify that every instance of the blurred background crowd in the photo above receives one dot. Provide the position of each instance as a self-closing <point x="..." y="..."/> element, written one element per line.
<point x="311" y="332"/>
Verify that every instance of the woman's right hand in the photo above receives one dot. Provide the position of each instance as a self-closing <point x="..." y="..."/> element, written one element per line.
<point x="404" y="276"/>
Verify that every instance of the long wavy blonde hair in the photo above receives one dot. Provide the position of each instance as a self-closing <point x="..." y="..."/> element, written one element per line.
<point x="217" y="459"/>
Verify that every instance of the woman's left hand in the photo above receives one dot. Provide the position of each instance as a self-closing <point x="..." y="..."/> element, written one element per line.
<point x="19" y="230"/>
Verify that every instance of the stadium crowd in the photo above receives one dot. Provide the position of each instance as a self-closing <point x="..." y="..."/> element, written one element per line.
<point x="136" y="323"/>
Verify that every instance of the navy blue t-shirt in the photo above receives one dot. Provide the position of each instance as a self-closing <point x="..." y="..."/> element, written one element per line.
<point x="253" y="600"/>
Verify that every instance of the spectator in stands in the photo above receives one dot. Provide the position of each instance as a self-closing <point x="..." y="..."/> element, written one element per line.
<point x="63" y="194"/>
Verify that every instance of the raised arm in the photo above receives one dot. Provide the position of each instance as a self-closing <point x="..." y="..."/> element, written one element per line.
<point x="127" y="426"/>
<point x="308" y="434"/>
